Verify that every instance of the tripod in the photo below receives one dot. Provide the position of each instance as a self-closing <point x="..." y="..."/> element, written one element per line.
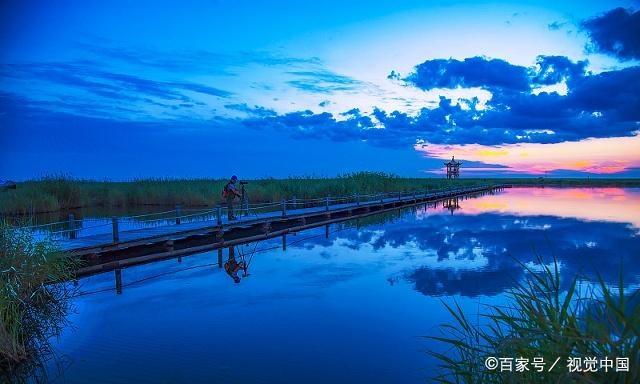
<point x="244" y="199"/>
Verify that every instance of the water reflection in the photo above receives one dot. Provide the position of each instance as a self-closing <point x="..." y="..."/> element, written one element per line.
<point x="454" y="248"/>
<point x="44" y="319"/>
<point x="619" y="205"/>
<point x="232" y="266"/>
<point x="359" y="291"/>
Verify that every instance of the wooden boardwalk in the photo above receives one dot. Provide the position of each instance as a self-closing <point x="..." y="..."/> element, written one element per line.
<point x="109" y="251"/>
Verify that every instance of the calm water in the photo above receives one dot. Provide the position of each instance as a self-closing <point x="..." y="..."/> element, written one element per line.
<point x="348" y="308"/>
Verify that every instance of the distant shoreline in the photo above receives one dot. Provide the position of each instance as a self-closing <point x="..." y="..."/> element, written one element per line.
<point x="55" y="194"/>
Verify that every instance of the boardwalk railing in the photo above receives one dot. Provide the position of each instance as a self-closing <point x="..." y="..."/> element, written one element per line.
<point x="77" y="228"/>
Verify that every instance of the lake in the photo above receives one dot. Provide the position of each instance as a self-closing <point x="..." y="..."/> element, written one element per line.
<point x="343" y="304"/>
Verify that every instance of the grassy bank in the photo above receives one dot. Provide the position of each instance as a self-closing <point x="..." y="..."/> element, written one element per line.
<point x="31" y="309"/>
<point x="53" y="194"/>
<point x="59" y="193"/>
<point x="543" y="320"/>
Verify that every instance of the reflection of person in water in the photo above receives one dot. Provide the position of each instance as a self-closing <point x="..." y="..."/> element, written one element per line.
<point x="232" y="267"/>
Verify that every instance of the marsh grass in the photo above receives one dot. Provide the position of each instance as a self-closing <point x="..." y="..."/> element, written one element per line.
<point x="544" y="320"/>
<point x="57" y="193"/>
<point x="33" y="302"/>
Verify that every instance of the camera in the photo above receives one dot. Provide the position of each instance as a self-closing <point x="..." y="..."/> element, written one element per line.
<point x="244" y="182"/>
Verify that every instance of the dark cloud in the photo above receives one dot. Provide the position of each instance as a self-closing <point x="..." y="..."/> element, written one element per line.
<point x="211" y="63"/>
<point x="394" y="76"/>
<point x="556" y="25"/>
<point x="471" y="72"/>
<point x="494" y="75"/>
<point x="616" y="33"/>
<point x="596" y="105"/>
<point x="323" y="81"/>
<point x="306" y="124"/>
<point x="255" y="111"/>
<point x="12" y="104"/>
<point x="113" y="87"/>
<point x="555" y="69"/>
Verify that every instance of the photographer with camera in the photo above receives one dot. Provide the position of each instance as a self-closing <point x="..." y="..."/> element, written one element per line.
<point x="229" y="193"/>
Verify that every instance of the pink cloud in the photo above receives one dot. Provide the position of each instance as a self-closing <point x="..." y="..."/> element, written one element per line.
<point x="604" y="155"/>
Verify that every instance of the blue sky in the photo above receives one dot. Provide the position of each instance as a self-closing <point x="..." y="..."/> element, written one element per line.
<point x="119" y="90"/>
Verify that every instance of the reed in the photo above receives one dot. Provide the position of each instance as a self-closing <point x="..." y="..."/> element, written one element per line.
<point x="544" y="320"/>
<point x="57" y="193"/>
<point x="32" y="307"/>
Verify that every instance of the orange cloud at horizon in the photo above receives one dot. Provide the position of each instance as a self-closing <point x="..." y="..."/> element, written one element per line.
<point x="604" y="155"/>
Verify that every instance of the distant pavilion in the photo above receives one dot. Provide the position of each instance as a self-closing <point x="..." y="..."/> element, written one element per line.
<point x="453" y="168"/>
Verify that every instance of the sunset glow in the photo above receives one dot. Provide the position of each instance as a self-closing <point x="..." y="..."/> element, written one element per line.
<point x="604" y="156"/>
<point x="593" y="204"/>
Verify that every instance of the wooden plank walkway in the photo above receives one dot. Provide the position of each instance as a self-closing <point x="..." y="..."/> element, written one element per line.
<point x="100" y="242"/>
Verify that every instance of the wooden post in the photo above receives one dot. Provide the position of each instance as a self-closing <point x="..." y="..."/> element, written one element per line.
<point x="219" y="214"/>
<point x="357" y="199"/>
<point x="219" y="257"/>
<point x="399" y="196"/>
<point x="118" y="274"/>
<point x="283" y="205"/>
<point x="178" y="213"/>
<point x="294" y="202"/>
<point x="326" y="203"/>
<point x="381" y="198"/>
<point x="114" y="227"/>
<point x="72" y="226"/>
<point x="284" y="242"/>
<point x="414" y="197"/>
<point x="326" y="231"/>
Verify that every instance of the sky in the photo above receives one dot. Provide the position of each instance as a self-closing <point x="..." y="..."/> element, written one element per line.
<point x="121" y="90"/>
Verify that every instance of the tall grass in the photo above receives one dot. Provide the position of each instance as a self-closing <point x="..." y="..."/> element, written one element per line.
<point x="543" y="320"/>
<point x="60" y="193"/>
<point x="31" y="308"/>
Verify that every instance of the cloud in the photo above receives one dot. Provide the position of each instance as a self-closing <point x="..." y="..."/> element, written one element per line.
<point x="556" y="25"/>
<point x="555" y="69"/>
<point x="306" y="124"/>
<point x="603" y="155"/>
<point x="595" y="106"/>
<point x="194" y="61"/>
<point x="90" y="77"/>
<point x="471" y="72"/>
<point x="615" y="33"/>
<point x="323" y="81"/>
<point x="492" y="74"/>
<point x="255" y="111"/>
<point x="65" y="80"/>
